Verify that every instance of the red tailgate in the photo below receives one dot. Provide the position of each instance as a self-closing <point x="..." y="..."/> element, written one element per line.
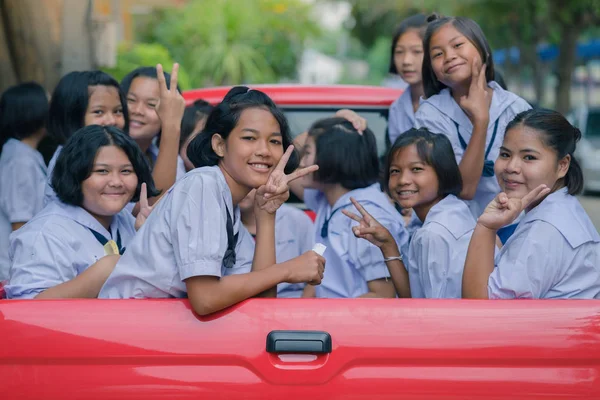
<point x="383" y="349"/>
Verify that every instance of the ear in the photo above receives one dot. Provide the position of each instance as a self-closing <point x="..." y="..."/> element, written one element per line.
<point x="563" y="166"/>
<point x="218" y="145"/>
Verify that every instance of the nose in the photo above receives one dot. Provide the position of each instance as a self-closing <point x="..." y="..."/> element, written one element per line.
<point x="115" y="179"/>
<point x="262" y="148"/>
<point x="109" y="119"/>
<point x="513" y="165"/>
<point x="135" y="107"/>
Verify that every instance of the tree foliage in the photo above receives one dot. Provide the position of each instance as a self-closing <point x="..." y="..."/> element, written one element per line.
<point x="222" y="42"/>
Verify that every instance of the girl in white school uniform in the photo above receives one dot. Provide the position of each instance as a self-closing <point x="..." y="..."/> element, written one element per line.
<point x="555" y="251"/>
<point x="348" y="167"/>
<point x="82" y="98"/>
<point x="407" y="61"/>
<point x="294" y="235"/>
<point x="23" y="114"/>
<point x="463" y="102"/>
<point x="142" y="89"/>
<point x="194" y="243"/>
<point x="70" y="247"/>
<point x="422" y="174"/>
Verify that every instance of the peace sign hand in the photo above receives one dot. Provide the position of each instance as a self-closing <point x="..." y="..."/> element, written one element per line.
<point x="369" y="228"/>
<point x="270" y="196"/>
<point x="145" y="208"/>
<point x="503" y="211"/>
<point x="171" y="104"/>
<point x="476" y="104"/>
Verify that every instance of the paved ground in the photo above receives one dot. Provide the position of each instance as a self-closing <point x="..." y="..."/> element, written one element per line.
<point x="592" y="206"/>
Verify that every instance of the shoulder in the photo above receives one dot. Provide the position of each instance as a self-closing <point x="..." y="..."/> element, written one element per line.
<point x="289" y="213"/>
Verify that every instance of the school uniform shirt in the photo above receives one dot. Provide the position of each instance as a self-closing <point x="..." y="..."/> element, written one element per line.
<point x="294" y="236"/>
<point x="22" y="180"/>
<point x="437" y="252"/>
<point x="553" y="254"/>
<point x="441" y="114"/>
<point x="49" y="193"/>
<point x="352" y="262"/>
<point x="57" y="245"/>
<point x="401" y="116"/>
<point x="186" y="235"/>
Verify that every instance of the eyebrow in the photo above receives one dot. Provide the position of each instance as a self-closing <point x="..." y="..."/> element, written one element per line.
<point x="109" y="165"/>
<point x="451" y="40"/>
<point x="502" y="148"/>
<point x="257" y="132"/>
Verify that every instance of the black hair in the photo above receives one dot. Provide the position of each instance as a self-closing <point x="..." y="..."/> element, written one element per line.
<point x="344" y="156"/>
<point x="200" y="109"/>
<point x="23" y="111"/>
<point x="417" y="22"/>
<point x="471" y="31"/>
<point x="76" y="161"/>
<point x="433" y="149"/>
<point x="224" y="118"/>
<point x="557" y="134"/>
<point x="144" y="72"/>
<point x="70" y="101"/>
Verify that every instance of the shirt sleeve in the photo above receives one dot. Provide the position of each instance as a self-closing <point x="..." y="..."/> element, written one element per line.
<point x="312" y="198"/>
<point x="305" y="232"/>
<point x="40" y="260"/>
<point x="198" y="228"/>
<point x="432" y="253"/>
<point x="18" y="199"/>
<point x="524" y="267"/>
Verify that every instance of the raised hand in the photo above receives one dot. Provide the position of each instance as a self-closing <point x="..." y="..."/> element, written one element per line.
<point x="270" y="196"/>
<point x="145" y="208"/>
<point x="369" y="228"/>
<point x="359" y="123"/>
<point x="503" y="211"/>
<point x="171" y="104"/>
<point x="307" y="268"/>
<point x="476" y="104"/>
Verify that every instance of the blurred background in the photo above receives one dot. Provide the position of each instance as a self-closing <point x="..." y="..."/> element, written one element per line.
<point x="548" y="50"/>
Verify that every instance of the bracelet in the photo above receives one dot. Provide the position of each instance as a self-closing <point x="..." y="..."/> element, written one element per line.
<point x="399" y="258"/>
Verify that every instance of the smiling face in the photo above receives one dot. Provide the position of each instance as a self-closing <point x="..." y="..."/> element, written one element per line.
<point x="250" y="152"/>
<point x="452" y="56"/>
<point x="111" y="185"/>
<point x="408" y="57"/>
<point x="104" y="107"/>
<point x="413" y="183"/>
<point x="142" y="100"/>
<point x="525" y="162"/>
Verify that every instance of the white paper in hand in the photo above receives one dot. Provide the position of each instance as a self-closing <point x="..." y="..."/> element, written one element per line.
<point x="319" y="248"/>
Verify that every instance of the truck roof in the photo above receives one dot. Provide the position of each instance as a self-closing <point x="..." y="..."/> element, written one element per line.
<point x="308" y="94"/>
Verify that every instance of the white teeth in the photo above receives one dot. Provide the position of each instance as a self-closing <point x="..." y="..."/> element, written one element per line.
<point x="260" y="166"/>
<point x="405" y="192"/>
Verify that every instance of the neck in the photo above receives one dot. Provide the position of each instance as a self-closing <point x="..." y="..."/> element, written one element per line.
<point x="334" y="192"/>
<point x="249" y="220"/>
<point x="144" y="144"/>
<point x="104" y="220"/>
<point x="423" y="209"/>
<point x="34" y="140"/>
<point x="238" y="191"/>
<point x="416" y="92"/>
<point x="460" y="91"/>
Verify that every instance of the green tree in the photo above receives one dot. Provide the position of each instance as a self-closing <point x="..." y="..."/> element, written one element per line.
<point x="132" y="56"/>
<point x="222" y="42"/>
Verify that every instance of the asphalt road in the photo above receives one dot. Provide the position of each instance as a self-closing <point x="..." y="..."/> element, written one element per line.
<point x="592" y="206"/>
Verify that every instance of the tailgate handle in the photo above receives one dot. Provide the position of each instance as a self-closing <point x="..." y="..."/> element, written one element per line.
<point x="313" y="342"/>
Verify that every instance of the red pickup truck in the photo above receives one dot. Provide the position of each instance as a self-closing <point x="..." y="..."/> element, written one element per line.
<point x="302" y="348"/>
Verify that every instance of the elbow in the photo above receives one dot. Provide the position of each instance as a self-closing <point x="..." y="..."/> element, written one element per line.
<point x="203" y="306"/>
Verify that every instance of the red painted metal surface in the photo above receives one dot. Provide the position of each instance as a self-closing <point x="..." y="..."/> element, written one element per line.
<point x="308" y="95"/>
<point x="382" y="349"/>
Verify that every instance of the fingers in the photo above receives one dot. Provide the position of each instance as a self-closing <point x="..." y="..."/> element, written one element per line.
<point x="351" y="215"/>
<point x="160" y="76"/>
<point x="299" y="173"/>
<point x="360" y="208"/>
<point x="284" y="159"/>
<point x="143" y="196"/>
<point x="174" y="77"/>
<point x="475" y="71"/>
<point x="535" y="195"/>
<point x="481" y="77"/>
